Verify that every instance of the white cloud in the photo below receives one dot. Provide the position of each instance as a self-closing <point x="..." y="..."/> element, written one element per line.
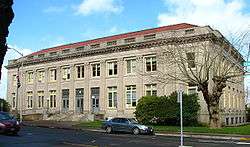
<point x="11" y="54"/>
<point x="227" y="16"/>
<point x="88" y="7"/>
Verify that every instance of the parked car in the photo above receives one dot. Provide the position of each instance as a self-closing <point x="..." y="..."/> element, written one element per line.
<point x="129" y="125"/>
<point x="8" y="123"/>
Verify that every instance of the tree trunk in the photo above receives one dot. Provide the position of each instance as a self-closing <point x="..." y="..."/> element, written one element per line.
<point x="214" y="116"/>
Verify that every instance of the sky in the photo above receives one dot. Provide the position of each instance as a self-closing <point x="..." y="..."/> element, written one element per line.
<point x="40" y="24"/>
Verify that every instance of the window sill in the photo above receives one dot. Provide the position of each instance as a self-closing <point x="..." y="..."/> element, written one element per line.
<point x="112" y="108"/>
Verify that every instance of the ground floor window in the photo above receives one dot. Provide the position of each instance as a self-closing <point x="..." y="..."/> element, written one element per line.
<point x="232" y="120"/>
<point x="151" y="90"/>
<point x="131" y="96"/>
<point x="40" y="99"/>
<point x="29" y="99"/>
<point x="112" y="97"/>
<point x="65" y="98"/>
<point x="52" y="98"/>
<point x="13" y="100"/>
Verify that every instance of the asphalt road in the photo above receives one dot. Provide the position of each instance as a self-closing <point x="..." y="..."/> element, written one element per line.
<point x="47" y="137"/>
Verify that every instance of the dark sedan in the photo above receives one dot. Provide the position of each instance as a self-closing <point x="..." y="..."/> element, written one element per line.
<point x="8" y="124"/>
<point x="129" y="125"/>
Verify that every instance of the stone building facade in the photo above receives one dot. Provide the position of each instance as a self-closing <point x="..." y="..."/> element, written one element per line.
<point x="106" y="76"/>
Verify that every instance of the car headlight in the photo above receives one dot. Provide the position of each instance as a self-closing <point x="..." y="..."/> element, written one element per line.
<point x="2" y="125"/>
<point x="143" y="127"/>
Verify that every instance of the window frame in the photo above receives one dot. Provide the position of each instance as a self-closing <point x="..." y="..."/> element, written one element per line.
<point x="132" y="67"/>
<point x="66" y="73"/>
<point x="80" y="71"/>
<point x="112" y="68"/>
<point x="152" y="62"/>
<point x="112" y="91"/>
<point x="152" y="89"/>
<point x="97" y="71"/>
<point x="131" y="90"/>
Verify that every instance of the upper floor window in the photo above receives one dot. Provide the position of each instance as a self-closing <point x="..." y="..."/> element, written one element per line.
<point x="53" y="75"/>
<point x="110" y="43"/>
<point x="53" y="53"/>
<point x="96" y="70"/>
<point x="41" y="76"/>
<point x="30" y="77"/>
<point x="112" y="96"/>
<point x="189" y="31"/>
<point x="41" y="55"/>
<point x="81" y="48"/>
<point x="192" y="90"/>
<point x="131" y="96"/>
<point x="80" y="71"/>
<point x="66" y="73"/>
<point x="128" y="40"/>
<point x="151" y="90"/>
<point x="150" y="36"/>
<point x="191" y="59"/>
<point x="14" y="80"/>
<point x="29" y="99"/>
<point x="66" y="51"/>
<point x="95" y="46"/>
<point x="112" y="68"/>
<point x="131" y="66"/>
<point x="150" y="64"/>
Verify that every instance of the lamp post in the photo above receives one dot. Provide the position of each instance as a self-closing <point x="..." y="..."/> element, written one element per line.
<point x="18" y="100"/>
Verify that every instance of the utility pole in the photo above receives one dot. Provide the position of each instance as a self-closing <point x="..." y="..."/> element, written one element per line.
<point x="179" y="100"/>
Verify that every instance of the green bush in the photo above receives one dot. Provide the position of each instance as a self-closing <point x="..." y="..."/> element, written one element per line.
<point x="4" y="105"/>
<point x="165" y="110"/>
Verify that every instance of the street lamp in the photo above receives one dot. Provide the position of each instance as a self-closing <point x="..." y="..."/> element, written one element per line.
<point x="18" y="84"/>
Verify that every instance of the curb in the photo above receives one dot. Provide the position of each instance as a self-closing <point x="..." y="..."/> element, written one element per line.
<point x="200" y="136"/>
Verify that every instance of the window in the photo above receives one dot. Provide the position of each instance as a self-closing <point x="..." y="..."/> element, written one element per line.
<point x="189" y="31"/>
<point x="53" y="53"/>
<point x="96" y="70"/>
<point x="150" y="64"/>
<point x="52" y="98"/>
<point x="81" y="48"/>
<point x="110" y="43"/>
<point x="40" y="99"/>
<point x="66" y="73"/>
<point x="95" y="46"/>
<point x="112" y="97"/>
<point x="79" y="99"/>
<point x="148" y="37"/>
<point x="131" y="66"/>
<point x="151" y="90"/>
<point x="29" y="99"/>
<point x="112" y="68"/>
<point x="53" y="75"/>
<point x="13" y="100"/>
<point x="192" y="90"/>
<point x="128" y="40"/>
<point x="131" y="96"/>
<point x="191" y="59"/>
<point x="41" y="76"/>
<point x="232" y="120"/>
<point x="65" y="98"/>
<point x="41" y="55"/>
<point x="14" y="80"/>
<point x="227" y="121"/>
<point x="66" y="51"/>
<point x="30" y="77"/>
<point x="80" y="71"/>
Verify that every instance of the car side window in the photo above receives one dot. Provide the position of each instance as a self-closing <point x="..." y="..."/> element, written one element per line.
<point x="124" y="120"/>
<point x="115" y="120"/>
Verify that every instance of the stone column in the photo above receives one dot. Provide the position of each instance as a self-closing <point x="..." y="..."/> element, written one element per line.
<point x="141" y="69"/>
<point x="58" y="89"/>
<point x="72" y="89"/>
<point x="87" y="98"/>
<point x="120" y="87"/>
<point x="103" y="87"/>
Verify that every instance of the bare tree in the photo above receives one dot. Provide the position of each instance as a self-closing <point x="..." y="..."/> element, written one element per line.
<point x="207" y="61"/>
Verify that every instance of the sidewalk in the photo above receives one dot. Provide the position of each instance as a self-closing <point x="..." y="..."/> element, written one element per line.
<point x="71" y="126"/>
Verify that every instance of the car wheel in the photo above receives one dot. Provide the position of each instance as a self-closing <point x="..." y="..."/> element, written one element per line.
<point x="136" y="131"/>
<point x="108" y="129"/>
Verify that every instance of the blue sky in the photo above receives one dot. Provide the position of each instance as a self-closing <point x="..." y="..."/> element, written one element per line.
<point x="41" y="24"/>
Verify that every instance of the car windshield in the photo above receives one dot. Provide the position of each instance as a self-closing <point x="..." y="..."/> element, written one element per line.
<point x="133" y="121"/>
<point x="5" y="116"/>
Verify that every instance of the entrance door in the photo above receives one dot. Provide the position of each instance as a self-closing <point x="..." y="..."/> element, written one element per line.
<point x="79" y="100"/>
<point x="95" y="94"/>
<point x="65" y="100"/>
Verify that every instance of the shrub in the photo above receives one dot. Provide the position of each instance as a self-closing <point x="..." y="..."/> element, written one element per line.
<point x="4" y="105"/>
<point x="165" y="110"/>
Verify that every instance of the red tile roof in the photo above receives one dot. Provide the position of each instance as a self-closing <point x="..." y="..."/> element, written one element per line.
<point x="116" y="37"/>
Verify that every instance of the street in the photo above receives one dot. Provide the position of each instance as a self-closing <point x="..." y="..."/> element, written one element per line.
<point x="46" y="137"/>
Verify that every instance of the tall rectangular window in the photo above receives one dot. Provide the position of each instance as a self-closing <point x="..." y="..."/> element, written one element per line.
<point x="191" y="59"/>
<point x="41" y="76"/>
<point x="40" y="99"/>
<point x="66" y="73"/>
<point x="112" y="97"/>
<point x="65" y="98"/>
<point x="131" y="66"/>
<point x="150" y="64"/>
<point x="29" y="99"/>
<point x="52" y="98"/>
<point x="131" y="96"/>
<point x="96" y="70"/>
<point x="14" y="80"/>
<point x="80" y="71"/>
<point x="192" y="90"/>
<point x="30" y="77"/>
<point x="151" y="90"/>
<point x="112" y="68"/>
<point x="53" y="75"/>
<point x="13" y="100"/>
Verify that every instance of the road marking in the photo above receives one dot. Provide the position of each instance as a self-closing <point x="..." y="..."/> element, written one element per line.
<point x="244" y="139"/>
<point x="242" y="142"/>
<point x="81" y="145"/>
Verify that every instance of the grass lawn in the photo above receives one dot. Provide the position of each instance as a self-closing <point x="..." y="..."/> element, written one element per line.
<point x="240" y="130"/>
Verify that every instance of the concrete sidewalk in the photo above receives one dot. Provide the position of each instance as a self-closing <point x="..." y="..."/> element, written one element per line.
<point x="71" y="126"/>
